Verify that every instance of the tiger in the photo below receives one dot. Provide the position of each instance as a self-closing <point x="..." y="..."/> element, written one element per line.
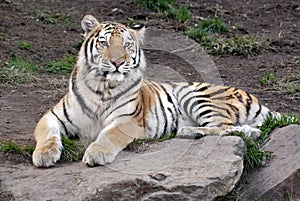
<point x="110" y="103"/>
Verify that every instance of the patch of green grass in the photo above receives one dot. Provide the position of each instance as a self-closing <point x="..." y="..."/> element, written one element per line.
<point x="180" y="13"/>
<point x="205" y="28"/>
<point x="25" y="45"/>
<point x="254" y="156"/>
<point x="214" y="25"/>
<point x="268" y="78"/>
<point x="290" y="85"/>
<point x="65" y="65"/>
<point x="11" y="147"/>
<point x="239" y="45"/>
<point x="165" y="8"/>
<point x="287" y="85"/>
<point x="155" y="5"/>
<point x="17" y="71"/>
<point x="53" y="18"/>
<point x="71" y="151"/>
<point x="208" y="34"/>
<point x="20" y="63"/>
<point x="272" y="122"/>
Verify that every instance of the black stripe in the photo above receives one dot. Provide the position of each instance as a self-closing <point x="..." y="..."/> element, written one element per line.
<point x="158" y="122"/>
<point x="62" y="123"/>
<point x="150" y="86"/>
<point x="248" y="104"/>
<point x="128" y="88"/>
<point x="204" y="124"/>
<point x="185" y="95"/>
<point x="108" y="31"/>
<point x="174" y="116"/>
<point x="91" y="50"/>
<point x="67" y="115"/>
<point x="162" y="107"/>
<point x="138" y="112"/>
<point x="129" y="114"/>
<point x="194" y="104"/>
<point x="183" y="87"/>
<point x="217" y="114"/>
<point x="224" y="97"/>
<point x="106" y="26"/>
<point x="224" y="124"/>
<point x="119" y="106"/>
<point x="204" y="96"/>
<point x="117" y="96"/>
<point x="198" y="85"/>
<point x="98" y="92"/>
<point x="258" y="112"/>
<point x="239" y="97"/>
<point x="155" y="89"/>
<point x="156" y="86"/>
<point x="86" y="50"/>
<point x="204" y="88"/>
<point x="236" y="113"/>
<point x="203" y="113"/>
<point x="212" y="106"/>
<point x="219" y="91"/>
<point x="88" y="111"/>
<point x="149" y="103"/>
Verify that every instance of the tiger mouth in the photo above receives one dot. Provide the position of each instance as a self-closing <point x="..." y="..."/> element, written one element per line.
<point x="105" y="73"/>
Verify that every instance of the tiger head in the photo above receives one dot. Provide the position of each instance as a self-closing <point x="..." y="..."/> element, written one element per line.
<point x="111" y="50"/>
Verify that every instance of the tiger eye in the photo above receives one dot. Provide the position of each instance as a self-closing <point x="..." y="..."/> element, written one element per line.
<point x="127" y="44"/>
<point x="104" y="43"/>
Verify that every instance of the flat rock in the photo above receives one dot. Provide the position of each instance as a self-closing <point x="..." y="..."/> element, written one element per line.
<point x="177" y="169"/>
<point x="184" y="50"/>
<point x="280" y="179"/>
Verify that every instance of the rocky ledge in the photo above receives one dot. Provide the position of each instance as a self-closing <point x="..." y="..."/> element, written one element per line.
<point x="178" y="169"/>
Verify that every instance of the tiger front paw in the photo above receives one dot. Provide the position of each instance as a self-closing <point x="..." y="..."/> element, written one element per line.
<point x="48" y="154"/>
<point x="97" y="155"/>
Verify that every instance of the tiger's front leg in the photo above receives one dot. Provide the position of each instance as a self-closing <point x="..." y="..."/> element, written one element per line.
<point x="110" y="142"/>
<point x="49" y="146"/>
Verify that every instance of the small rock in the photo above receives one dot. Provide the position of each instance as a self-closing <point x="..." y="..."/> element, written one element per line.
<point x="158" y="177"/>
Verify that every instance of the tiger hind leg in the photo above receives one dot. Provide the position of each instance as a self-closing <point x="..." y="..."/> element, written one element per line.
<point x="189" y="132"/>
<point x="247" y="130"/>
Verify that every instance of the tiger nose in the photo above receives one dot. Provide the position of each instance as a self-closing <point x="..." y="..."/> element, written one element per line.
<point x="118" y="62"/>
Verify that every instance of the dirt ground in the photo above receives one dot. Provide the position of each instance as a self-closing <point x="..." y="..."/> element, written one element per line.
<point x="21" y="106"/>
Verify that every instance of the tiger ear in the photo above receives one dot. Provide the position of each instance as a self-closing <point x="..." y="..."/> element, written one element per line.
<point x="88" y="23"/>
<point x="139" y="31"/>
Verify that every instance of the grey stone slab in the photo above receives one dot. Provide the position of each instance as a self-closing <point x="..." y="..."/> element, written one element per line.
<point x="180" y="168"/>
